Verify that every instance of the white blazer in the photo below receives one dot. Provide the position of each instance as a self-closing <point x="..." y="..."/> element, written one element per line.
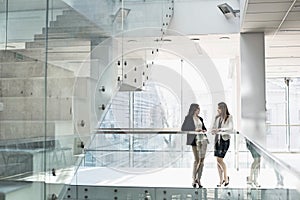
<point x="226" y="127"/>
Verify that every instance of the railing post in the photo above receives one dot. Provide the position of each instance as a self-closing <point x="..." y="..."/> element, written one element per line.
<point x="131" y="125"/>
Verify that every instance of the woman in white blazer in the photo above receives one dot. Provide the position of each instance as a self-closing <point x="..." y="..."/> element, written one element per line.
<point x="222" y="127"/>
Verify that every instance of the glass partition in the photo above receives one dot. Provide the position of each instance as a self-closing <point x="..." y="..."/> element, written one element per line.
<point x="52" y="66"/>
<point x="283" y="114"/>
<point x="24" y="128"/>
<point x="143" y="163"/>
<point x="147" y="83"/>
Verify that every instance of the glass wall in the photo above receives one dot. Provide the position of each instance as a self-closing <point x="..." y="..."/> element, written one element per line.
<point x="23" y="121"/>
<point x="283" y="114"/>
<point x="52" y="73"/>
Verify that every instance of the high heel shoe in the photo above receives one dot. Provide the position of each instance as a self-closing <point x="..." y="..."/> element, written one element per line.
<point x="194" y="184"/>
<point x="225" y="184"/>
<point x="221" y="183"/>
<point x="199" y="184"/>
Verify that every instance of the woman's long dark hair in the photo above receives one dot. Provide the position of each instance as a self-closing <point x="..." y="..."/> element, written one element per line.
<point x="224" y="111"/>
<point x="193" y="108"/>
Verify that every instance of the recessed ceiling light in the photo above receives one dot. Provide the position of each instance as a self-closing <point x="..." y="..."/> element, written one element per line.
<point x="132" y="41"/>
<point x="284" y="46"/>
<point x="224" y="38"/>
<point x="10" y="46"/>
<point x="195" y="39"/>
<point x="164" y="40"/>
<point x="289" y="30"/>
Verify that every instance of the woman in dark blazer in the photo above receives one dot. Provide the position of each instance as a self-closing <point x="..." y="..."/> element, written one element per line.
<point x="194" y="123"/>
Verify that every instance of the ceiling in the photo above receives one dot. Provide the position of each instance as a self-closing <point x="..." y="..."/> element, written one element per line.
<point x="280" y="20"/>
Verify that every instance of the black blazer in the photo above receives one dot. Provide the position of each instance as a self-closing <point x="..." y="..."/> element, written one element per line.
<point x="188" y="125"/>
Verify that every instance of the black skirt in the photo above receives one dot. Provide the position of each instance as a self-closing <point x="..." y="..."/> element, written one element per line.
<point x="221" y="147"/>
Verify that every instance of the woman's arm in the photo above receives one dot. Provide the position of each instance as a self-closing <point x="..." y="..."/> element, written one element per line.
<point x="228" y="125"/>
<point x="188" y="125"/>
<point x="184" y="125"/>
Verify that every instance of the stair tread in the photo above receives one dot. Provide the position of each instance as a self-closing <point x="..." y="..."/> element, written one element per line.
<point x="11" y="186"/>
<point x="67" y="42"/>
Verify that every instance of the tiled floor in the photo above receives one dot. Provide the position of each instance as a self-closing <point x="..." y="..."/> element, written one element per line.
<point x="167" y="177"/>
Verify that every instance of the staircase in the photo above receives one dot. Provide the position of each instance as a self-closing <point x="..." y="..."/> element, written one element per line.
<point x="24" y="80"/>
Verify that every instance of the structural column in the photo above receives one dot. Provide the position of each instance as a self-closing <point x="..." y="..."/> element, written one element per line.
<point x="253" y="98"/>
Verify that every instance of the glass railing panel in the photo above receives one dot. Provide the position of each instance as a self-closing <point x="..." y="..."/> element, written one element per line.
<point x="74" y="64"/>
<point x="159" y="149"/>
<point x="125" y="162"/>
<point x="274" y="170"/>
<point x="177" y="193"/>
<point x="114" y="17"/>
<point x="23" y="123"/>
<point x="135" y="150"/>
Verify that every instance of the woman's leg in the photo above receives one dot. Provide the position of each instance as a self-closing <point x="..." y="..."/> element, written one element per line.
<point x="202" y="151"/>
<point x="218" y="153"/>
<point x="196" y="161"/>
<point x="222" y="168"/>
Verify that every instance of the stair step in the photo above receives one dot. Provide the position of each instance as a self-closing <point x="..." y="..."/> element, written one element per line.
<point x="12" y="56"/>
<point x="72" y="22"/>
<point x="31" y="69"/>
<point x="69" y="12"/>
<point x="59" y="43"/>
<point x="35" y="87"/>
<point x="58" y="53"/>
<point x="126" y="87"/>
<point x="21" y="129"/>
<point x="31" y="108"/>
<point x="83" y="34"/>
<point x="72" y="29"/>
<point x="11" y="187"/>
<point x="74" y="18"/>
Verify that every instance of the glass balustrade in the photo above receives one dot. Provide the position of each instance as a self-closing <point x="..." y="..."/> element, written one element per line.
<point x="156" y="164"/>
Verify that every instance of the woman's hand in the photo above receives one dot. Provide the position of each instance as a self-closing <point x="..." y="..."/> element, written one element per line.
<point x="214" y="131"/>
